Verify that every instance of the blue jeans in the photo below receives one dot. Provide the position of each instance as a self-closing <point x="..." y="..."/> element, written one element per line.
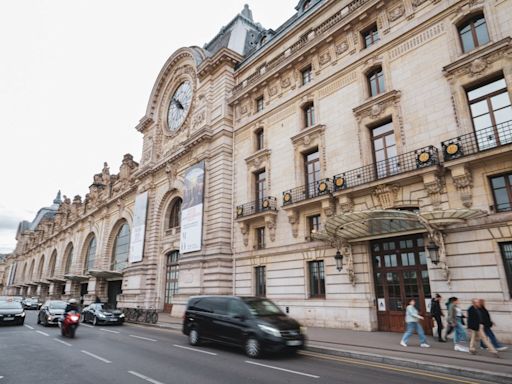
<point x="410" y="330"/>
<point x="492" y="338"/>
<point x="460" y="332"/>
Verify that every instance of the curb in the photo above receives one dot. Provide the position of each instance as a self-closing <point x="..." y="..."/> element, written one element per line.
<point x="416" y="364"/>
<point x="176" y="327"/>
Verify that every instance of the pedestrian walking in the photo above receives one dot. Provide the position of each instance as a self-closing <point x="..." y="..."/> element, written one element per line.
<point x="456" y="320"/>
<point x="488" y="323"/>
<point x="412" y="319"/>
<point x="476" y="324"/>
<point x="437" y="314"/>
<point x="449" y="326"/>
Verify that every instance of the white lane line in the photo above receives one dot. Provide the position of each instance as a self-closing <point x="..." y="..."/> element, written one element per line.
<point x="283" y="369"/>
<point x="63" y="342"/>
<point x="28" y="326"/>
<point x="144" y="377"/>
<point x="87" y="325"/>
<point x="96" y="357"/>
<point x="142" y="338"/>
<point x="195" y="350"/>
<point x="108" y="330"/>
<point x="43" y="333"/>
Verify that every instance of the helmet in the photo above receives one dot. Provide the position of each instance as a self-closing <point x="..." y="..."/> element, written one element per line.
<point x="72" y="301"/>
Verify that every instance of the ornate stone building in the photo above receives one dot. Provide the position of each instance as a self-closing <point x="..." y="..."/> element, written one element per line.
<point x="355" y="157"/>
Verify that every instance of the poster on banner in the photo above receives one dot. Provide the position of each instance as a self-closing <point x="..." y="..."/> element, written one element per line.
<point x="139" y="228"/>
<point x="428" y="303"/>
<point x="192" y="209"/>
<point x="381" y="304"/>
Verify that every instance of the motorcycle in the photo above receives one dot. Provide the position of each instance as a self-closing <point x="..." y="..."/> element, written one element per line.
<point x="69" y="325"/>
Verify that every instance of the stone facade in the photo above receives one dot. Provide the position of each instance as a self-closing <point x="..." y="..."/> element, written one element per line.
<point x="262" y="101"/>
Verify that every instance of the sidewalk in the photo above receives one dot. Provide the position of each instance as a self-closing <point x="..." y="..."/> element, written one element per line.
<point x="384" y="347"/>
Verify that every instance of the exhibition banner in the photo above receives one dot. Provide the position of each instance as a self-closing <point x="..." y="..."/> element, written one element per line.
<point x="192" y="209"/>
<point x="139" y="228"/>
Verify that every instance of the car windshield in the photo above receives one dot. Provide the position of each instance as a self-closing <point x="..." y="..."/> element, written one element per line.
<point x="58" y="305"/>
<point x="106" y="307"/>
<point x="10" y="305"/>
<point x="263" y="307"/>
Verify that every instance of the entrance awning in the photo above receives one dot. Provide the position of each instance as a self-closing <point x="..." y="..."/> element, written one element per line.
<point x="105" y="274"/>
<point x="56" y="280"/>
<point x="77" y="278"/>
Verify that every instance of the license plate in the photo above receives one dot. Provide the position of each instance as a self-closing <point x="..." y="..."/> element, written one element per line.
<point x="8" y="318"/>
<point x="294" y="343"/>
<point x="112" y="319"/>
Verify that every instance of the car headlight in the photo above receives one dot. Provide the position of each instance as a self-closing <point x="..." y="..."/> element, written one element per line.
<point x="121" y="315"/>
<point x="50" y="318"/>
<point x="303" y="330"/>
<point x="270" y="330"/>
<point x="101" y="315"/>
<point x="21" y="314"/>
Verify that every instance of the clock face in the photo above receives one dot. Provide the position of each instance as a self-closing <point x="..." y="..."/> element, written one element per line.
<point x="180" y="105"/>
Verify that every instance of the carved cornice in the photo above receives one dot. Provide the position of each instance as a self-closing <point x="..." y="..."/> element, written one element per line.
<point x="224" y="56"/>
<point x="256" y="159"/>
<point x="376" y="105"/>
<point x="305" y="136"/>
<point x="144" y="124"/>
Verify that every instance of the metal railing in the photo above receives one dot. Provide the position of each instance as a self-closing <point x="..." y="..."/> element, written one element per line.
<point x="478" y="141"/>
<point x="268" y="203"/>
<point x="308" y="191"/>
<point x="407" y="162"/>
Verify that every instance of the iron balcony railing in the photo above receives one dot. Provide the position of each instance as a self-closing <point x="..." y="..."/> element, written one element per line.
<point x="478" y="141"/>
<point x="407" y="162"/>
<point x="308" y="191"/>
<point x="268" y="203"/>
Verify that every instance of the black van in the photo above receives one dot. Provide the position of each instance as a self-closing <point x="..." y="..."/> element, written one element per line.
<point x="255" y="323"/>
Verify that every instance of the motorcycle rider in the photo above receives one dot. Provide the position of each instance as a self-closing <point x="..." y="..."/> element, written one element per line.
<point x="72" y="306"/>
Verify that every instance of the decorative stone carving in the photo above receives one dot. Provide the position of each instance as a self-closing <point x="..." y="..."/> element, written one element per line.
<point x="434" y="186"/>
<point x="328" y="207"/>
<point x="324" y="58"/>
<point x="376" y="110"/>
<point x="285" y="82"/>
<point x="270" y="223"/>
<point x="386" y="195"/>
<point x="417" y="3"/>
<point x="244" y="229"/>
<point x="478" y="66"/>
<point x="199" y="119"/>
<point x="345" y="203"/>
<point x="463" y="181"/>
<point x="293" y="219"/>
<point x="346" y="251"/>
<point x="341" y="48"/>
<point x="396" y="13"/>
<point x="272" y="91"/>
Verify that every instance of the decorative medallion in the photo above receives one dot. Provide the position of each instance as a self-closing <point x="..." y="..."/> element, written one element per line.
<point x="341" y="48"/>
<point x="287" y="197"/>
<point x="266" y="203"/>
<point x="239" y="211"/>
<point x="424" y="157"/>
<point x="452" y="149"/>
<point x="339" y="182"/>
<point x="322" y="186"/>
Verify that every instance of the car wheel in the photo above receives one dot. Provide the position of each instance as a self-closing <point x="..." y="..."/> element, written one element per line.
<point x="252" y="347"/>
<point x="83" y="318"/>
<point x="193" y="337"/>
<point x="94" y="320"/>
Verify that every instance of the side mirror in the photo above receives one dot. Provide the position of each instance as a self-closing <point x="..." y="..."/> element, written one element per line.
<point x="240" y="317"/>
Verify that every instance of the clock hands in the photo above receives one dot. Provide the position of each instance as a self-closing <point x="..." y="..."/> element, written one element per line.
<point x="177" y="103"/>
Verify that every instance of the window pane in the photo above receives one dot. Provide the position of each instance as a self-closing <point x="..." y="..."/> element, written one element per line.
<point x="503" y="115"/>
<point x="487" y="88"/>
<point x="382" y="129"/>
<point x="482" y="122"/>
<point x="500" y="101"/>
<point x="481" y="32"/>
<point x="479" y="108"/>
<point x="498" y="182"/>
<point x="501" y="196"/>
<point x="467" y="41"/>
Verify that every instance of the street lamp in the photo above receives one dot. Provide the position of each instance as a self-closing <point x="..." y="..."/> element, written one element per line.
<point x="339" y="260"/>
<point x="433" y="252"/>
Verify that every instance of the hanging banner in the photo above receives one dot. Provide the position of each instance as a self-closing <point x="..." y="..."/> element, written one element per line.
<point x="139" y="228"/>
<point x="192" y="209"/>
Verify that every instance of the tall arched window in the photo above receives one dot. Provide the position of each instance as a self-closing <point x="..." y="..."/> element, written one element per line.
<point x="68" y="259"/>
<point x="90" y="255"/>
<point x="31" y="271"/>
<point x="40" y="268"/>
<point x="52" y="263"/>
<point x="175" y="213"/>
<point x="24" y="273"/>
<point x="121" y="248"/>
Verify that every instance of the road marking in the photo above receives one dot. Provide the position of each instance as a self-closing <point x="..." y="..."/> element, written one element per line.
<point x="43" y="333"/>
<point x="283" y="369"/>
<point x="28" y="326"/>
<point x="96" y="357"/>
<point x="144" y="377"/>
<point x="142" y="338"/>
<point x="87" y="325"/>
<point x="108" y="330"/>
<point x="383" y="366"/>
<point x="195" y="350"/>
<point x="63" y="342"/>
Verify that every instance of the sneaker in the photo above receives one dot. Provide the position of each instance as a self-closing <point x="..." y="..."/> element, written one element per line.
<point x="424" y="345"/>
<point x="450" y="336"/>
<point x="460" y="348"/>
<point x="403" y="344"/>
<point x="502" y="348"/>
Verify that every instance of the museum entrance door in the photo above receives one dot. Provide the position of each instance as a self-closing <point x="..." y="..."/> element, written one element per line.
<point x="400" y="274"/>
<point x="114" y="288"/>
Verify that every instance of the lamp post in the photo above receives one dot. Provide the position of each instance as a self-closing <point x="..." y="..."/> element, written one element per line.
<point x="339" y="260"/>
<point x="433" y="252"/>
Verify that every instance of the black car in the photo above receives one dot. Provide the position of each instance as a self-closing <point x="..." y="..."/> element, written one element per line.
<point x="254" y="323"/>
<point x="50" y="312"/>
<point x="102" y="313"/>
<point x="11" y="312"/>
<point x="31" y="303"/>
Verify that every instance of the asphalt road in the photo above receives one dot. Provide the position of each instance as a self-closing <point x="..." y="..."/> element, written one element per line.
<point x="141" y="355"/>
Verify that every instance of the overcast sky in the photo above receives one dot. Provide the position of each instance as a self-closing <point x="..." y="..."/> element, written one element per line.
<point x="75" y="78"/>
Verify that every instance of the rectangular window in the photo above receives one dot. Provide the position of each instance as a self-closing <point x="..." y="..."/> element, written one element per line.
<point x="261" y="285"/>
<point x="506" y="253"/>
<point x="171" y="276"/>
<point x="376" y="82"/>
<point x="260" y="238"/>
<point x="309" y="115"/>
<point x="259" y="139"/>
<point x="312" y="172"/>
<point x="260" y="179"/>
<point x="491" y="113"/>
<point x="370" y="35"/>
<point x="316" y="279"/>
<point x="384" y="150"/>
<point x="306" y="75"/>
<point x="473" y="33"/>
<point x="502" y="192"/>
<point x="259" y="104"/>
<point x="313" y="224"/>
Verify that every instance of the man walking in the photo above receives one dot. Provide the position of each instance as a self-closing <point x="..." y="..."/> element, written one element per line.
<point x="437" y="313"/>
<point x="488" y="323"/>
<point x="476" y="324"/>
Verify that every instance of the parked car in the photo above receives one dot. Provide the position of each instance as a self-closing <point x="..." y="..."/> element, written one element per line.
<point x="256" y="324"/>
<point x="97" y="313"/>
<point x="11" y="312"/>
<point x="50" y="312"/>
<point x="31" y="303"/>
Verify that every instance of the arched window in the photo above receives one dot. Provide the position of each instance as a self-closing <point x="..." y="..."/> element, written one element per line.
<point x="175" y="213"/>
<point x="90" y="255"/>
<point x="376" y="81"/>
<point x="31" y="271"/>
<point x="68" y="259"/>
<point x="40" y="268"/>
<point x="24" y="273"/>
<point x="51" y="264"/>
<point x="121" y="248"/>
<point x="473" y="32"/>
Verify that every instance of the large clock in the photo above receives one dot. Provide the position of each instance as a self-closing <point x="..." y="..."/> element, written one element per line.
<point x="179" y="105"/>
